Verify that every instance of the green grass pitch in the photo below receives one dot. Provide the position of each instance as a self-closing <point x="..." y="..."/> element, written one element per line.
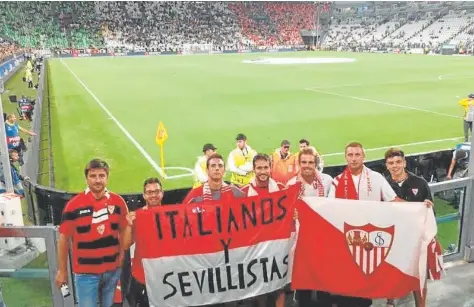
<point x="379" y="100"/>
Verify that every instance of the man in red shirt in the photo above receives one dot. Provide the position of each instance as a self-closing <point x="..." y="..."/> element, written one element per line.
<point x="215" y="188"/>
<point x="153" y="194"/>
<point x="94" y="221"/>
<point x="262" y="184"/>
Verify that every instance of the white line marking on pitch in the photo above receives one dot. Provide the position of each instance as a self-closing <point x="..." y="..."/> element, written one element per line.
<point x="129" y="136"/>
<point x="381" y="102"/>
<point x="440" y="78"/>
<point x="397" y="146"/>
<point x="189" y="174"/>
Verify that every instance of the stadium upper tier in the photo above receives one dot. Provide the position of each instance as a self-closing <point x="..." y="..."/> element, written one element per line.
<point x="233" y="25"/>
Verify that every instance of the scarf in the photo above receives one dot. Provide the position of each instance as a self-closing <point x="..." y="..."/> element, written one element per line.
<point x="346" y="188"/>
<point x="272" y="187"/>
<point x="435" y="260"/>
<point x="207" y="192"/>
<point x="317" y="184"/>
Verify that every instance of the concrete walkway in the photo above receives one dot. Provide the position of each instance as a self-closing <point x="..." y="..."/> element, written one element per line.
<point x="455" y="289"/>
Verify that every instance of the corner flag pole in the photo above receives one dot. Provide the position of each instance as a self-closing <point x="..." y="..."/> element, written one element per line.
<point x="161" y="137"/>
<point x="162" y="156"/>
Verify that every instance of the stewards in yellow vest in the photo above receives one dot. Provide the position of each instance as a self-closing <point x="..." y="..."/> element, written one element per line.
<point x="200" y="168"/>
<point x="468" y="106"/>
<point x="29" y="78"/>
<point x="29" y="66"/>
<point x="240" y="162"/>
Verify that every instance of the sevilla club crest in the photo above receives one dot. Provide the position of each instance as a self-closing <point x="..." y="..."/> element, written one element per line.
<point x="101" y="229"/>
<point x="369" y="245"/>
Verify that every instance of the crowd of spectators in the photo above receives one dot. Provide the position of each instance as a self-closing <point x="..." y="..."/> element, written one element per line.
<point x="7" y="49"/>
<point x="275" y="23"/>
<point x="162" y="25"/>
<point x="169" y="25"/>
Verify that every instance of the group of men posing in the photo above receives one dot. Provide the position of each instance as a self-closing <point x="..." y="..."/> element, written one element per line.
<point x="284" y="164"/>
<point x="101" y="227"/>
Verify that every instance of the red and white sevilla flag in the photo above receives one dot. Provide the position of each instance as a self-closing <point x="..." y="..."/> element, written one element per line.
<point x="200" y="254"/>
<point x="362" y="248"/>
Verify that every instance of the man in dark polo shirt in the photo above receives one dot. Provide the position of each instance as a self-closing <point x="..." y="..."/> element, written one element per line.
<point x="411" y="188"/>
<point x="407" y="185"/>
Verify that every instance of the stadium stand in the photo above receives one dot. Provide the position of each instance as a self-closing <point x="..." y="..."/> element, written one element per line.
<point x="163" y="25"/>
<point x="441" y="30"/>
<point x="172" y="26"/>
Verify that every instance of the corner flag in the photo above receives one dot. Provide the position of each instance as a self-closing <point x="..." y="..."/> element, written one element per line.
<point x="161" y="134"/>
<point x="161" y="137"/>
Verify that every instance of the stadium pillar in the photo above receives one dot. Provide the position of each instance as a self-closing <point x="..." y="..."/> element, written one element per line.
<point x="471" y="161"/>
<point x="4" y="156"/>
<point x="469" y="251"/>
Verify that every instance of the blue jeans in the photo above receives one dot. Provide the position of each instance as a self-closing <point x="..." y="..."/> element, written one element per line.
<point x="87" y="288"/>
<point x="2" y="303"/>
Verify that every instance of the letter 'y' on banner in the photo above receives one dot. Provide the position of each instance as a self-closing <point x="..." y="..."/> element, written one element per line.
<point x="217" y="252"/>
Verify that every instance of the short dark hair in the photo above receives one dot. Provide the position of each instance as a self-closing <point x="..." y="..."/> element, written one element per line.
<point x="310" y="152"/>
<point x="96" y="164"/>
<point x="214" y="156"/>
<point x="12" y="151"/>
<point x="394" y="152"/>
<point x="354" y="144"/>
<point x="261" y="156"/>
<point x="151" y="181"/>
<point x="304" y="141"/>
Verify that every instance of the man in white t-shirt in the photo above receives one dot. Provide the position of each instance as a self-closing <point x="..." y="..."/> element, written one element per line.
<point x="313" y="183"/>
<point x="359" y="183"/>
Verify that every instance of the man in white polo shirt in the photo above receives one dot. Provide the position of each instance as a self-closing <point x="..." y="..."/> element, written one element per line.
<point x="313" y="182"/>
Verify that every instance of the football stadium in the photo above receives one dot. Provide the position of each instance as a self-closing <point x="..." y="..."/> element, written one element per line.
<point x="157" y="92"/>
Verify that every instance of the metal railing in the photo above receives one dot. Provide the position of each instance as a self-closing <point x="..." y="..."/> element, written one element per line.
<point x="50" y="236"/>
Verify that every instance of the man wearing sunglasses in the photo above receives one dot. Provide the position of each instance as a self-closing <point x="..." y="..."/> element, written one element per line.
<point x="284" y="166"/>
<point x="153" y="195"/>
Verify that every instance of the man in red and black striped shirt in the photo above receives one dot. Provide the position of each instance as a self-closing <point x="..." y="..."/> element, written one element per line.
<point x="94" y="220"/>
